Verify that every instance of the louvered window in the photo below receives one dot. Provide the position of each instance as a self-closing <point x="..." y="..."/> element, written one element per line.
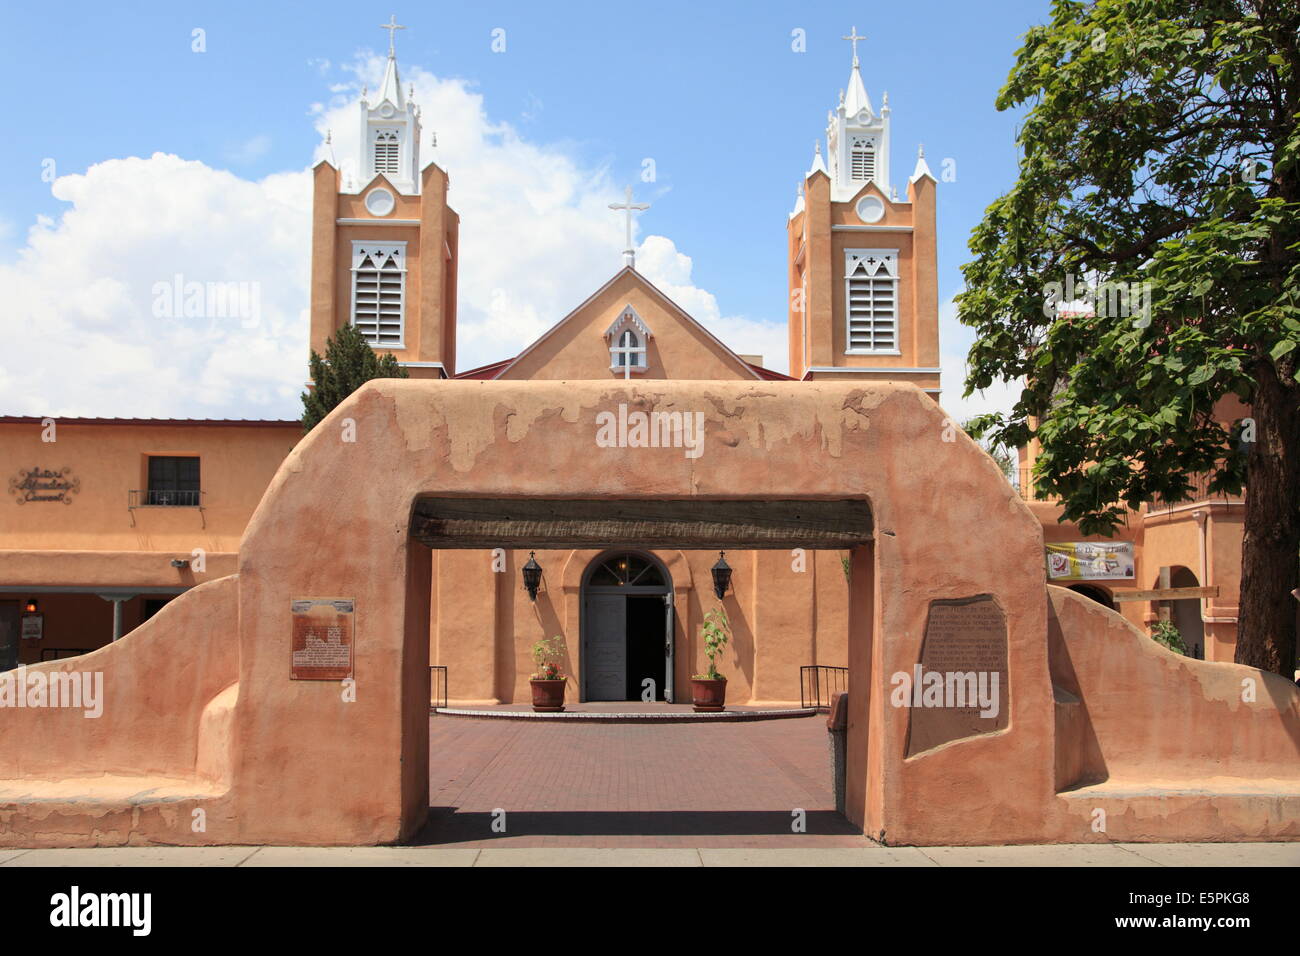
<point x="386" y="151"/>
<point x="871" y="295"/>
<point x="379" y="292"/>
<point x="862" y="160"/>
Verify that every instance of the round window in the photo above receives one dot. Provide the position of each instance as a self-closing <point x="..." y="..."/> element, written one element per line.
<point x="380" y="201"/>
<point x="871" y="209"/>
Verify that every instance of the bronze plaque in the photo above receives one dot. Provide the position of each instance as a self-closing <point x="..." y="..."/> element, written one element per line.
<point x="960" y="688"/>
<point x="322" y="638"/>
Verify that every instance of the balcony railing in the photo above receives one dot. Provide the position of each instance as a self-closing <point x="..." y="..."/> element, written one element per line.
<point x="158" y="498"/>
<point x="1200" y="492"/>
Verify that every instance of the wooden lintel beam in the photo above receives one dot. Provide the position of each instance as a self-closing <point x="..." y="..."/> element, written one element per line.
<point x="1166" y="594"/>
<point x="683" y="523"/>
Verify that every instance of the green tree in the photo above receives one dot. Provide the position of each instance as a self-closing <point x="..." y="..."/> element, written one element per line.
<point x="1159" y="153"/>
<point x="348" y="364"/>
<point x="1003" y="456"/>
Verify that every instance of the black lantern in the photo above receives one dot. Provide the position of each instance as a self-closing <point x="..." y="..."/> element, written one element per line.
<point x="721" y="576"/>
<point x="30" y="607"/>
<point x="532" y="576"/>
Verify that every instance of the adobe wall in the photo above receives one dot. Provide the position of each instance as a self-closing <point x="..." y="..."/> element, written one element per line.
<point x="329" y="763"/>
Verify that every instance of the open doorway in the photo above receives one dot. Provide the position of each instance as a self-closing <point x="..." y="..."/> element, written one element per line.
<point x="627" y="629"/>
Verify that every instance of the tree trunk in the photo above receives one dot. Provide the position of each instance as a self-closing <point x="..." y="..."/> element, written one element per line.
<point x="1270" y="549"/>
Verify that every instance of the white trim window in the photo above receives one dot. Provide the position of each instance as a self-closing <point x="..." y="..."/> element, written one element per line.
<point x="387" y="160"/>
<point x="871" y="300"/>
<point x="862" y="159"/>
<point x="379" y="292"/>
<point x="629" y="340"/>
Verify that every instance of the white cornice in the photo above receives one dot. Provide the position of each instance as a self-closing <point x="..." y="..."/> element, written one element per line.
<point x="377" y="222"/>
<point x="845" y="227"/>
<point x="881" y="370"/>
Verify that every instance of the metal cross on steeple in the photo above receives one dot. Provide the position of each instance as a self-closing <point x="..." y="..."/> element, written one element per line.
<point x="391" y="26"/>
<point x="854" y="38"/>
<point x="628" y="206"/>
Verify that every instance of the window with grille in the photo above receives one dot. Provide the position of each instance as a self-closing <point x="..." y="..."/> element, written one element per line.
<point x="862" y="160"/>
<point x="871" y="299"/>
<point x="378" y="292"/>
<point x="173" y="480"/>
<point x="386" y="151"/>
<point x="628" y="351"/>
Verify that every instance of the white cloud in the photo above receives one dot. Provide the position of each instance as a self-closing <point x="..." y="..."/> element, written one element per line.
<point x="87" y="332"/>
<point x="955" y="340"/>
<point x="83" y="336"/>
<point x="660" y="262"/>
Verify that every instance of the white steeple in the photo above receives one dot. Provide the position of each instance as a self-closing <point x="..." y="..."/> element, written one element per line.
<point x="857" y="137"/>
<point x="390" y="129"/>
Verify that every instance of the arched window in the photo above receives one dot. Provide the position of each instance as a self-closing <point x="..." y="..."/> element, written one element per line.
<point x="628" y="351"/>
<point x="862" y="160"/>
<point x="627" y="570"/>
<point x="386" y="151"/>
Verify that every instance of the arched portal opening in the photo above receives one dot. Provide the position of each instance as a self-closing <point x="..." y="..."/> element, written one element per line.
<point x="626" y="628"/>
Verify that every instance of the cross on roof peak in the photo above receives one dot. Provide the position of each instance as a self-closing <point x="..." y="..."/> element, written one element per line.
<point x="628" y="206"/>
<point x="392" y="26"/>
<point x="854" y="38"/>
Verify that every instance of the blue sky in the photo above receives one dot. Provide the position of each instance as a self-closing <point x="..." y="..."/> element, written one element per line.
<point x="713" y="93"/>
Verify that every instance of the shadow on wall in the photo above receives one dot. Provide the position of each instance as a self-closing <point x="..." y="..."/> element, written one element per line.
<point x="1129" y="709"/>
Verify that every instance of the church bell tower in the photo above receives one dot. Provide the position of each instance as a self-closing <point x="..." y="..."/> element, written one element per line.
<point x="384" y="255"/>
<point x="862" y="274"/>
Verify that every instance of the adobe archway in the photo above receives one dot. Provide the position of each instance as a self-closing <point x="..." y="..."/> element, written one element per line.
<point x="249" y="747"/>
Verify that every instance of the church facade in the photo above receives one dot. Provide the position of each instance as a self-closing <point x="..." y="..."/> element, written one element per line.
<point x="108" y="519"/>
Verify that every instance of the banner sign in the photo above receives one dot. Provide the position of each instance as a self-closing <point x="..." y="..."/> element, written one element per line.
<point x="1090" y="561"/>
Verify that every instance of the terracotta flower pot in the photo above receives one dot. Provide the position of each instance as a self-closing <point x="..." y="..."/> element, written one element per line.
<point x="707" y="695"/>
<point x="548" y="695"/>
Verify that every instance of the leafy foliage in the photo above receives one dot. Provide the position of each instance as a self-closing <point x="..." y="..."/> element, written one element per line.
<point x="717" y="633"/>
<point x="1161" y="150"/>
<point x="548" y="655"/>
<point x="348" y="364"/>
<point x="1166" y="634"/>
<point x="1160" y="164"/>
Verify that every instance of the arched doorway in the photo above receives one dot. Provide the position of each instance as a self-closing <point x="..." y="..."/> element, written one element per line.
<point x="1186" y="613"/>
<point x="1096" y="592"/>
<point x="626" y="628"/>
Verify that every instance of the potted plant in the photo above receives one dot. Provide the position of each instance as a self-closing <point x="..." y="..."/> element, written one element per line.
<point x="549" y="681"/>
<point x="709" y="690"/>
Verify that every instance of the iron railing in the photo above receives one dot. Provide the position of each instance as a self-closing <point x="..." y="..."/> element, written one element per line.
<point x="818" y="684"/>
<point x="158" y="498"/>
<point x="1198" y="492"/>
<point x="437" y="685"/>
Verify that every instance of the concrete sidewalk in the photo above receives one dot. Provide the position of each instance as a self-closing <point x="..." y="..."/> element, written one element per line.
<point x="1096" y="854"/>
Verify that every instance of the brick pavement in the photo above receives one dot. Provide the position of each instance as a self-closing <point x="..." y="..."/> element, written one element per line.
<point x="578" y="784"/>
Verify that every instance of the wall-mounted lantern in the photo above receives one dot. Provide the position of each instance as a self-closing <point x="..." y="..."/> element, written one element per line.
<point x="180" y="563"/>
<point x="532" y="576"/>
<point x="721" y="576"/>
<point x="31" y="607"/>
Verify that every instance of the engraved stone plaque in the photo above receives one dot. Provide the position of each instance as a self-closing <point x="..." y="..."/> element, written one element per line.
<point x="322" y="638"/>
<point x="960" y="688"/>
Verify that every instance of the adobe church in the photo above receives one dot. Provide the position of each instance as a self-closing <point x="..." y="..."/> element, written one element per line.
<point x="416" y="507"/>
<point x="863" y="307"/>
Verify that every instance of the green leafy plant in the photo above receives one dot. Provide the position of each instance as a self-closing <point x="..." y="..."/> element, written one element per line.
<point x="348" y="364"/>
<point x="1167" y="635"/>
<point x="1160" y="165"/>
<point x="548" y="654"/>
<point x="717" y="632"/>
